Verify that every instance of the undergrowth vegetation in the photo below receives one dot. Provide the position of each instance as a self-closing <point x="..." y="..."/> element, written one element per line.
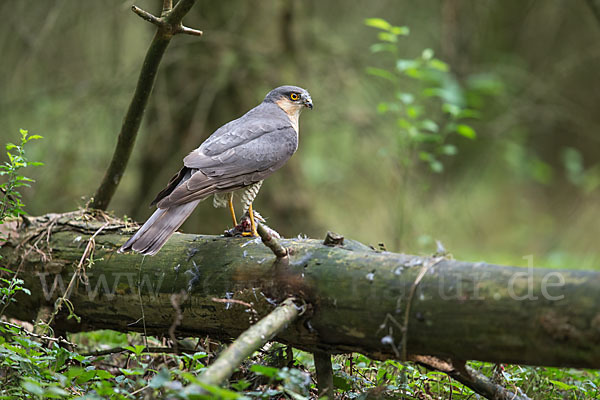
<point x="33" y="368"/>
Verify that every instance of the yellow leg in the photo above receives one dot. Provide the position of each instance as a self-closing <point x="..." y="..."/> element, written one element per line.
<point x="252" y="222"/>
<point x="231" y="210"/>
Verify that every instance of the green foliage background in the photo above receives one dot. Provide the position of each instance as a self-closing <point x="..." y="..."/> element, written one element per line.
<point x="528" y="183"/>
<point x="480" y="128"/>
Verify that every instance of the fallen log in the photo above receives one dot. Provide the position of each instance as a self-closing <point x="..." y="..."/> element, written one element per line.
<point x="381" y="304"/>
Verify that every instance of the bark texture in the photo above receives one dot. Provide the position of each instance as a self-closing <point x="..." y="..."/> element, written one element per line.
<point x="381" y="304"/>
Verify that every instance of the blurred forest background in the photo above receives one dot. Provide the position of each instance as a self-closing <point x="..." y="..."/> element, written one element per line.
<point x="521" y="179"/>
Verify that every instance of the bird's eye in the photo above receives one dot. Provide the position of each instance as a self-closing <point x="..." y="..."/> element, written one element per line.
<point x="294" y="96"/>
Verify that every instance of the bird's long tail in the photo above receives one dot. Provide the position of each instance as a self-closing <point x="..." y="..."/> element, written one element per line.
<point x="151" y="237"/>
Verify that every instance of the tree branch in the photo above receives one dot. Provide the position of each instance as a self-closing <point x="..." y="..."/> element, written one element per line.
<point x="471" y="378"/>
<point x="22" y="331"/>
<point x="250" y="341"/>
<point x="148" y="17"/>
<point x="167" y="26"/>
<point x="271" y="242"/>
<point x="147" y="350"/>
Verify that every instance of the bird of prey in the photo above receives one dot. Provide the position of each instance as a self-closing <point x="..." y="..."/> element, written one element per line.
<point x="238" y="155"/>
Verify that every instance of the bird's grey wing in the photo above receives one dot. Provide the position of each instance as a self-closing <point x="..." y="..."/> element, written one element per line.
<point x="261" y="119"/>
<point x="238" y="165"/>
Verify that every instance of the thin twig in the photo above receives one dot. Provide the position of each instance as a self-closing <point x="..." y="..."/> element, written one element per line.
<point x="250" y="341"/>
<point x="426" y="266"/>
<point x="271" y="242"/>
<point x="78" y="271"/>
<point x="472" y="379"/>
<point x="175" y="16"/>
<point x="176" y="300"/>
<point x="188" y="31"/>
<point x="148" y="17"/>
<point x="233" y="301"/>
<point x="142" y="301"/>
<point x="167" y="6"/>
<point x="23" y="331"/>
<point x="151" y="350"/>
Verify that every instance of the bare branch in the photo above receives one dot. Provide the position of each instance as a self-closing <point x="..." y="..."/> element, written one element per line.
<point x="179" y="11"/>
<point x="189" y="31"/>
<point x="23" y="331"/>
<point x="151" y="350"/>
<point x="250" y="341"/>
<point x="167" y="7"/>
<point x="271" y="242"/>
<point x="471" y="378"/>
<point x="148" y="17"/>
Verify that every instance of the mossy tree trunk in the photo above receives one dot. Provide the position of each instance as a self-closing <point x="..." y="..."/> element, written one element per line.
<point x="381" y="304"/>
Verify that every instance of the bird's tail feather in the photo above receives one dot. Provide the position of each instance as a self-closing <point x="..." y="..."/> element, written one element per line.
<point x="151" y="237"/>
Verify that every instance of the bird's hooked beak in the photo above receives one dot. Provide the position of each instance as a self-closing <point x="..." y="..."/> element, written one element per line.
<point x="307" y="101"/>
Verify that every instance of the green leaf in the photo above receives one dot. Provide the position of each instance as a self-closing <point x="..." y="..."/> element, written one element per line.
<point x="382" y="73"/>
<point x="414" y="111"/>
<point x="562" y="385"/>
<point x="218" y="392"/>
<point x="438" y="65"/>
<point x="425" y="156"/>
<point x="400" y="30"/>
<point x="160" y="379"/>
<point x="34" y="137"/>
<point x="137" y="350"/>
<point x="264" y="370"/>
<point x="451" y="109"/>
<point x="468" y="113"/>
<point x="387" y="37"/>
<point x="104" y="374"/>
<point x="429" y="125"/>
<point x="448" y="149"/>
<point x="466" y="131"/>
<point x="33" y="388"/>
<point x="540" y="171"/>
<point x="403" y="65"/>
<point x="436" y="166"/>
<point x="378" y="23"/>
<point x="55" y="392"/>
<point x="86" y="376"/>
<point x="130" y="371"/>
<point x="379" y="47"/>
<point x="406" y="98"/>
<point x="341" y="383"/>
<point x="241" y="385"/>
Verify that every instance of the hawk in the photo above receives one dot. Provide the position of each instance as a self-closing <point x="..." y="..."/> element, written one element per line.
<point x="238" y="155"/>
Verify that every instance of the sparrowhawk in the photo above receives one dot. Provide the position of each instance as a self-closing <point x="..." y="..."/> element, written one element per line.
<point x="238" y="155"/>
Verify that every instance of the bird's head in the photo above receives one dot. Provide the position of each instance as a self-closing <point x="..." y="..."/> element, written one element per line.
<point x="291" y="99"/>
